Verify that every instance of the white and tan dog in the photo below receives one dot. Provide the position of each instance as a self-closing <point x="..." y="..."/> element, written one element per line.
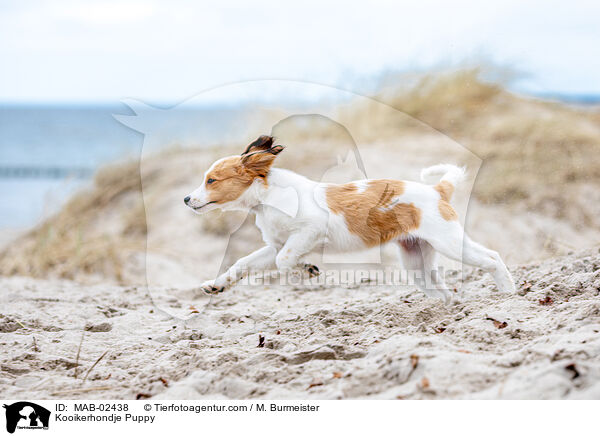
<point x="348" y="217"/>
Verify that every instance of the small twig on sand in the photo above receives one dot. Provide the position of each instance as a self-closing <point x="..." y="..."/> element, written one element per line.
<point x="35" y="347"/>
<point x="82" y="390"/>
<point x="20" y="323"/>
<point x="94" y="365"/>
<point x="77" y="358"/>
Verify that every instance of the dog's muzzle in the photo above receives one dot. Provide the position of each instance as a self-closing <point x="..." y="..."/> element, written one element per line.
<point x="186" y="200"/>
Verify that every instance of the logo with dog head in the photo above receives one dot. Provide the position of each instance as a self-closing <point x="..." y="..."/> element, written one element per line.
<point x="26" y="415"/>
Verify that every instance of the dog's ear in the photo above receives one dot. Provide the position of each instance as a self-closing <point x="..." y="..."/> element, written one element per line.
<point x="262" y="143"/>
<point x="259" y="162"/>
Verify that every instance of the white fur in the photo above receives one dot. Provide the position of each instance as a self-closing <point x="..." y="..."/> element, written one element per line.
<point x="450" y="173"/>
<point x="293" y="216"/>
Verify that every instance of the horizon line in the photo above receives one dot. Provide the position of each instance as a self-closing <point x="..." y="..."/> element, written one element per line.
<point x="576" y="97"/>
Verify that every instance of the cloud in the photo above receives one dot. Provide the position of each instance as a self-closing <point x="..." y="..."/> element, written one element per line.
<point x="74" y="50"/>
<point x="109" y="13"/>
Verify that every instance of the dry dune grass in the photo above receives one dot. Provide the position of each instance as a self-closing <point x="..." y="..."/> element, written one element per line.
<point x="537" y="155"/>
<point x="84" y="237"/>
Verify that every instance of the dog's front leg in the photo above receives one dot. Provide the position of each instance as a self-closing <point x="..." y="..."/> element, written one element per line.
<point x="261" y="259"/>
<point x="297" y="245"/>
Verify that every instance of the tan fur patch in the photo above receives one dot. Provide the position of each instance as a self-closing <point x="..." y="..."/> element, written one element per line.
<point x="230" y="180"/>
<point x="233" y="175"/>
<point x="446" y="189"/>
<point x="373" y="214"/>
<point x="446" y="210"/>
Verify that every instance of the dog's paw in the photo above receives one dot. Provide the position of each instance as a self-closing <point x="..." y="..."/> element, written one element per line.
<point x="312" y="270"/>
<point x="209" y="287"/>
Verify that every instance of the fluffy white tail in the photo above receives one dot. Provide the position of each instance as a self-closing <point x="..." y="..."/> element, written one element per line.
<point x="449" y="173"/>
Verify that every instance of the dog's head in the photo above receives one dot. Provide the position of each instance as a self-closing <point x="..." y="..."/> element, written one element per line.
<point x="229" y="178"/>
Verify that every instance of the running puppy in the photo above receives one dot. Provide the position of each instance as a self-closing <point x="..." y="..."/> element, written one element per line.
<point x="348" y="217"/>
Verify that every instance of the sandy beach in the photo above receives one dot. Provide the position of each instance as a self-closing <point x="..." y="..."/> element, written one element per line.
<point x="318" y="342"/>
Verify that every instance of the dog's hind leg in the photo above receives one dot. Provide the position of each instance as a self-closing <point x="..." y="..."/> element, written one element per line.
<point x="474" y="253"/>
<point x="433" y="277"/>
<point x="420" y="260"/>
<point x="455" y="244"/>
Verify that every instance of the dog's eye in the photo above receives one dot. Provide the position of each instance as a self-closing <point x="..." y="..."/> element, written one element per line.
<point x="209" y="181"/>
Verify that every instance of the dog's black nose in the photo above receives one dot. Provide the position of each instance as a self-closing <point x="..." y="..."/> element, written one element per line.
<point x="186" y="199"/>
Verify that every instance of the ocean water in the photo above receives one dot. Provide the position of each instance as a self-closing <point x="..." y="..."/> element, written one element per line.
<point x="49" y="151"/>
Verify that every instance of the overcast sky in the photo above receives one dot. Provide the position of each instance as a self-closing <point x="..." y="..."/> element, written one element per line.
<point x="168" y="51"/>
